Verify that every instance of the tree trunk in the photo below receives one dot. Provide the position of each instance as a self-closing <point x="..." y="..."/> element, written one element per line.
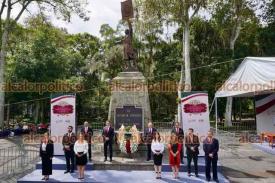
<point x="228" y="111"/>
<point x="42" y="111"/>
<point x="180" y="86"/>
<point x="36" y="113"/>
<point x="187" y="84"/>
<point x="3" y="54"/>
<point x="8" y="114"/>
<point x="234" y="36"/>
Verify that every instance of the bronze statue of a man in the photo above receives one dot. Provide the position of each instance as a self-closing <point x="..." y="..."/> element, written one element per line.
<point x="129" y="54"/>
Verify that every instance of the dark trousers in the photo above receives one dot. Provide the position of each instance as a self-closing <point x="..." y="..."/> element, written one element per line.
<point x="191" y="157"/>
<point x="149" y="151"/>
<point x="46" y="165"/>
<point x="208" y="163"/>
<point x="107" y="144"/>
<point x="69" y="155"/>
<point x="90" y="151"/>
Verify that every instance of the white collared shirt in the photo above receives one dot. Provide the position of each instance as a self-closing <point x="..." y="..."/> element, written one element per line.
<point x="44" y="145"/>
<point x="157" y="146"/>
<point x="81" y="147"/>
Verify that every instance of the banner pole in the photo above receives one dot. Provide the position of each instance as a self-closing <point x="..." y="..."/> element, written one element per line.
<point x="50" y="122"/>
<point x="179" y="110"/>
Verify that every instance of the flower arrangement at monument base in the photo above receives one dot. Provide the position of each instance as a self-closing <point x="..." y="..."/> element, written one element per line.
<point x="128" y="139"/>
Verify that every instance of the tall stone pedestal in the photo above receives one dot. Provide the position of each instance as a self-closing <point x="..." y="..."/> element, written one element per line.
<point x="129" y="102"/>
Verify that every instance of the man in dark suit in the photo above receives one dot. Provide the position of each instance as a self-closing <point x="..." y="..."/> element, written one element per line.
<point x="192" y="144"/>
<point x="68" y="147"/>
<point x="88" y="134"/>
<point x="108" y="138"/>
<point x="149" y="134"/>
<point x="211" y="148"/>
<point x="180" y="134"/>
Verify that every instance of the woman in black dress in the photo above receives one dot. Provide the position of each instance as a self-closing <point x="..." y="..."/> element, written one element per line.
<point x="46" y="154"/>
<point x="157" y="148"/>
<point x="80" y="150"/>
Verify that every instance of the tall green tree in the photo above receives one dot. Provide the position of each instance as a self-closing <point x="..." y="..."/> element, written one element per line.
<point x="8" y="12"/>
<point x="231" y="16"/>
<point x="180" y="12"/>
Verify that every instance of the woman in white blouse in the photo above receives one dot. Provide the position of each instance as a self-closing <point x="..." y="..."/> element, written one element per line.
<point x="80" y="150"/>
<point x="157" y="148"/>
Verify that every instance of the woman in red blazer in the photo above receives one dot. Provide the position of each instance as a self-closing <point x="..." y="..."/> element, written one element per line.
<point x="174" y="148"/>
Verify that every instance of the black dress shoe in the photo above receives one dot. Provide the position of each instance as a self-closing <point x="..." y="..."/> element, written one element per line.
<point x="71" y="171"/>
<point x="182" y="162"/>
<point x="208" y="180"/>
<point x="189" y="174"/>
<point x="111" y="160"/>
<point x="90" y="160"/>
<point x="197" y="175"/>
<point x="105" y="160"/>
<point x="66" y="171"/>
<point x="216" y="180"/>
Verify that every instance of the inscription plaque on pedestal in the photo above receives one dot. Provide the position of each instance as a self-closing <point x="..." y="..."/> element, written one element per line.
<point x="129" y="116"/>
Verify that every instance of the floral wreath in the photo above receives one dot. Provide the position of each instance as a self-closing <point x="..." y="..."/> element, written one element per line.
<point x="130" y="145"/>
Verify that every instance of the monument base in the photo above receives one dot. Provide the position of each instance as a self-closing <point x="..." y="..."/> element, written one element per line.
<point x="129" y="102"/>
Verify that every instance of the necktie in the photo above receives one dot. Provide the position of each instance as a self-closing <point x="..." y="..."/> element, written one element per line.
<point x="177" y="130"/>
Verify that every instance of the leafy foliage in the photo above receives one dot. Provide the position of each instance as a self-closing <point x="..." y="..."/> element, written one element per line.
<point x="40" y="52"/>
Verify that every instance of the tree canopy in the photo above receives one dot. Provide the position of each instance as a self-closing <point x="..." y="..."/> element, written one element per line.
<point x="37" y="51"/>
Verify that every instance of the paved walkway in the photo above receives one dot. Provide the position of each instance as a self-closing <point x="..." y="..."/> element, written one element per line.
<point x="243" y="163"/>
<point x="115" y="176"/>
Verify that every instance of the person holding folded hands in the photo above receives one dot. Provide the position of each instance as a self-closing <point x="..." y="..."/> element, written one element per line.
<point x="81" y="150"/>
<point x="157" y="149"/>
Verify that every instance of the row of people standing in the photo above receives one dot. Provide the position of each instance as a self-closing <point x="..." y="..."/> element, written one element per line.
<point x="74" y="153"/>
<point x="155" y="146"/>
<point x="150" y="131"/>
<point x="77" y="150"/>
<point x="82" y="147"/>
<point x="176" y="148"/>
